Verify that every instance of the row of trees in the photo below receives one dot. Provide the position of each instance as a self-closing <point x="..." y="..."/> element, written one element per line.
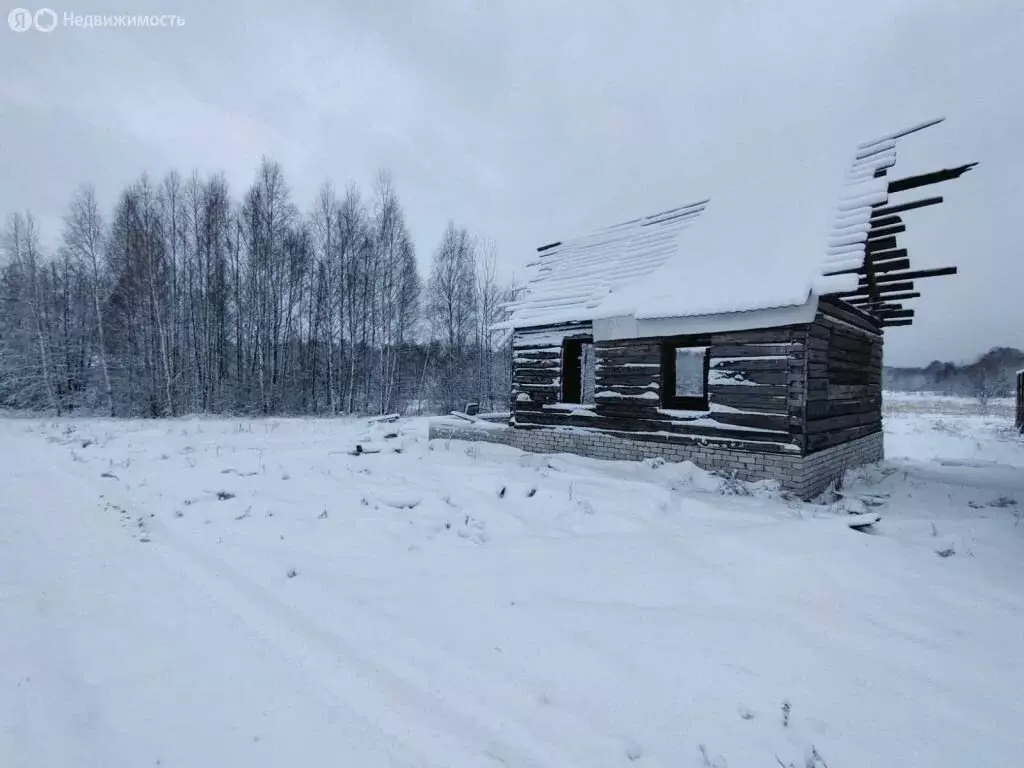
<point x="993" y="374"/>
<point x="187" y="301"/>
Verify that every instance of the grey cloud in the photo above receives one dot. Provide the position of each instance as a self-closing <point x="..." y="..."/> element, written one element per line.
<point x="530" y="121"/>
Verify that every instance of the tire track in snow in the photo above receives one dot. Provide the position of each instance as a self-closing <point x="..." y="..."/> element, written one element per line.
<point x="408" y="666"/>
<point x="59" y="665"/>
<point x="341" y="669"/>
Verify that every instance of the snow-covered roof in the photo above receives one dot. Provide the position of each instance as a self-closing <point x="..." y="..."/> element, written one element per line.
<point x="768" y="240"/>
<point x="571" y="279"/>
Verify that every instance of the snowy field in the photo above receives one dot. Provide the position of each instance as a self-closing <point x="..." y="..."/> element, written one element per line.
<point x="207" y="592"/>
<point x="920" y="402"/>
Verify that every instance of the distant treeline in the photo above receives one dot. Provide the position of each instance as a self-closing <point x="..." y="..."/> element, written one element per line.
<point x="186" y="299"/>
<point x="991" y="375"/>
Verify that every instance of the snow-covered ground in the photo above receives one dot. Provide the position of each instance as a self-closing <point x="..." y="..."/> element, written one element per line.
<point x="923" y="402"/>
<point x="215" y="593"/>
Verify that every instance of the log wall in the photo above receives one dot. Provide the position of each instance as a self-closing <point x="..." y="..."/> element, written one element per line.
<point x="755" y="387"/>
<point x="799" y="389"/>
<point x="843" y="377"/>
<point x="537" y="377"/>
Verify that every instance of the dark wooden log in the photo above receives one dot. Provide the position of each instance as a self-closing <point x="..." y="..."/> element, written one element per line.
<point x="877" y="232"/>
<point x="893" y="323"/>
<point x="837" y="423"/>
<point x="748" y="350"/>
<point x="615" y="380"/>
<point x="611" y="371"/>
<point x="889" y="266"/>
<point x="743" y="365"/>
<point x="876" y="307"/>
<point x="851" y="391"/>
<point x="780" y="335"/>
<point x="746" y="403"/>
<point x="824" y="409"/>
<point x="535" y="392"/>
<point x="626" y="392"/>
<point x="926" y="179"/>
<point x="861" y="363"/>
<point x="922" y="273"/>
<point x="831" y="307"/>
<point x="895" y="313"/>
<point x="875" y="266"/>
<point x="625" y="344"/>
<point x="866" y="302"/>
<point x="538" y="349"/>
<point x="616" y="349"/>
<point x="584" y="325"/>
<point x="716" y="390"/>
<point x="841" y="343"/>
<point x="777" y="377"/>
<point x="884" y="221"/>
<point x="825" y="440"/>
<point x="525" y="354"/>
<point x="862" y="291"/>
<point x="903" y="207"/>
<point x="547" y="365"/>
<point x="536" y="377"/>
<point x="536" y="373"/>
<point x="880" y="244"/>
<point x="633" y="356"/>
<point x="776" y="422"/>
<point x="886" y="257"/>
<point x="554" y="417"/>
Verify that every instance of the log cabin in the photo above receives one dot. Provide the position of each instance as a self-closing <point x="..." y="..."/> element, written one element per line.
<point x="657" y="338"/>
<point x="1019" y="416"/>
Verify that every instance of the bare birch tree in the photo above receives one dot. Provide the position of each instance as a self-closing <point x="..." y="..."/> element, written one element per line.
<point x="84" y="241"/>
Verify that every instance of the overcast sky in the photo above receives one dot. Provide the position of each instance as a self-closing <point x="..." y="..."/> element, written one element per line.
<point x="529" y="122"/>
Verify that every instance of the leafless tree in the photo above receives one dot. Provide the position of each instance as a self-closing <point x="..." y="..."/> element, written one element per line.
<point x="20" y="242"/>
<point x="452" y="302"/>
<point x="187" y="302"/>
<point x="84" y="241"/>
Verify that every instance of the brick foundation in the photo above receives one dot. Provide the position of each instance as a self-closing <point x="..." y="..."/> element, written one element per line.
<point x="807" y="476"/>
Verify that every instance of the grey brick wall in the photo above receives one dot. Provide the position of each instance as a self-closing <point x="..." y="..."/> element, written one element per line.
<point x="806" y="476"/>
<point x="821" y="468"/>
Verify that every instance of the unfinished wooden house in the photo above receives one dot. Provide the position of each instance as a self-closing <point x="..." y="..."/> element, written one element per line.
<point x="652" y="338"/>
<point x="1019" y="417"/>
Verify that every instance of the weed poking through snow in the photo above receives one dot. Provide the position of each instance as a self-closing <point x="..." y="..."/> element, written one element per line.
<point x="786" y="709"/>
<point x="813" y="760"/>
<point x="707" y="761"/>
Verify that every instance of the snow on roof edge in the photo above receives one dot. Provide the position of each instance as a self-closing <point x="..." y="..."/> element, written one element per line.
<point x="638" y="268"/>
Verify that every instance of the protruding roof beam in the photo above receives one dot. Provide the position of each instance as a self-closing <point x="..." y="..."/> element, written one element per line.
<point x="913" y="182"/>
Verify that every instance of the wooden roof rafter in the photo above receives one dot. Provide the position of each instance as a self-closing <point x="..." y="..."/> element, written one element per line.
<point x="884" y="270"/>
